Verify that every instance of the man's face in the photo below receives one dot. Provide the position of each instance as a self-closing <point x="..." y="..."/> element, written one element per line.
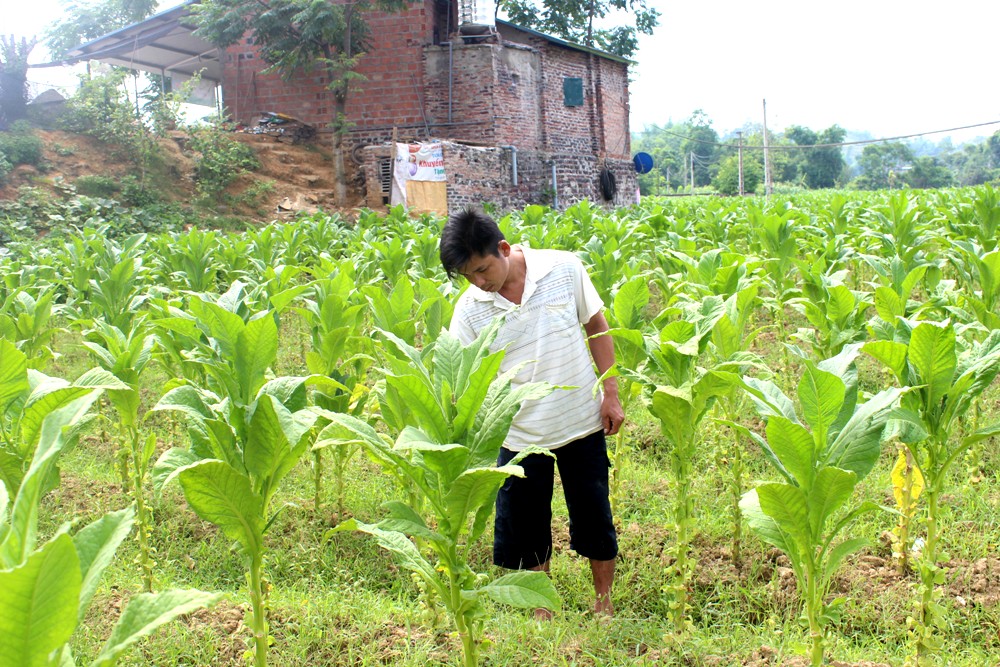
<point x="489" y="272"/>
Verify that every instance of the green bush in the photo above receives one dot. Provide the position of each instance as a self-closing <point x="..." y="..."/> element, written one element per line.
<point x="5" y="167"/>
<point x="221" y="159"/>
<point x="20" y="147"/>
<point x="98" y="186"/>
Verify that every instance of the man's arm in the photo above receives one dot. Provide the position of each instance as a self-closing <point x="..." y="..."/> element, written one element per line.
<point x="602" y="349"/>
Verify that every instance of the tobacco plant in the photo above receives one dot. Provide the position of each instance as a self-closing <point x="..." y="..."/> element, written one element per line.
<point x="682" y="394"/>
<point x="27" y="396"/>
<point x="244" y="440"/>
<point x="452" y="414"/>
<point x="334" y="316"/>
<point x="731" y="342"/>
<point x="45" y="590"/>
<point x="126" y="356"/>
<point x="947" y="376"/>
<point x="626" y="318"/>
<point x="27" y="321"/>
<point x="821" y="458"/>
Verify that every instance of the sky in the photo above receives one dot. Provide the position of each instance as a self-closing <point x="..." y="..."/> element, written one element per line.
<point x="887" y="67"/>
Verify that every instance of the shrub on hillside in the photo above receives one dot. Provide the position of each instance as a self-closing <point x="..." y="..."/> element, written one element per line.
<point x="221" y="159"/>
<point x="20" y="146"/>
<point x="93" y="185"/>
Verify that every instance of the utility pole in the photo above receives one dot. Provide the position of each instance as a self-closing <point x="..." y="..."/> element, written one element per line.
<point x="692" y="172"/>
<point x="739" y="133"/>
<point x="767" y="161"/>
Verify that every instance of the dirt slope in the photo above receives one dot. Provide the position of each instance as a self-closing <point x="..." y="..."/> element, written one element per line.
<point x="292" y="177"/>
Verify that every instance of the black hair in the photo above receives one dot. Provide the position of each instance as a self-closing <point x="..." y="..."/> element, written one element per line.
<point x="468" y="234"/>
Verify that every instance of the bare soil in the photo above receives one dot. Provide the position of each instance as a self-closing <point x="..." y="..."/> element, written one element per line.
<point x="292" y="177"/>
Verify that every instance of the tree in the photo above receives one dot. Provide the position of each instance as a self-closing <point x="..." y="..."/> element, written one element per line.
<point x="14" y="78"/>
<point x="574" y="20"/>
<point x="929" y="172"/>
<point x="702" y="141"/>
<point x="727" y="181"/>
<point x="818" y="167"/>
<point x="84" y="21"/>
<point x="301" y="35"/>
<point x="882" y="164"/>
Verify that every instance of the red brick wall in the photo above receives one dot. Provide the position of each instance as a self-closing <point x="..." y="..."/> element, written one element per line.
<point x="391" y="93"/>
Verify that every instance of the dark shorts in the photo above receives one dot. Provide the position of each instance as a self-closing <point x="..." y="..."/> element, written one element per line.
<point x="523" y="527"/>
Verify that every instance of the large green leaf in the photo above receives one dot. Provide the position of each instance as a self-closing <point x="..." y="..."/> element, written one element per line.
<point x="673" y="407"/>
<point x="41" y="403"/>
<point x="933" y="359"/>
<point x="841" y="303"/>
<point x="840" y="552"/>
<point x="764" y="526"/>
<point x="423" y="405"/>
<point x="189" y="401"/>
<point x="794" y="447"/>
<point x="857" y="446"/>
<point x="96" y="545"/>
<point x="169" y="464"/>
<point x="13" y="372"/>
<point x="497" y="414"/>
<point x="524" y="589"/>
<point x="19" y="541"/>
<point x="219" y="494"/>
<point x="256" y="350"/>
<point x="892" y="354"/>
<point x="470" y="491"/>
<point x="832" y="489"/>
<point x="630" y="303"/>
<point x="821" y="396"/>
<point x="472" y="394"/>
<point x="769" y="399"/>
<point x="271" y="443"/>
<point x="218" y="323"/>
<point x="888" y="304"/>
<point x="403" y="519"/>
<point x="789" y="508"/>
<point x="447" y="461"/>
<point x="39" y="602"/>
<point x="147" y="612"/>
<point x="406" y="553"/>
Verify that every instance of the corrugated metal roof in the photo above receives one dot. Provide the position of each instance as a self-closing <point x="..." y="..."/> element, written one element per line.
<point x="163" y="43"/>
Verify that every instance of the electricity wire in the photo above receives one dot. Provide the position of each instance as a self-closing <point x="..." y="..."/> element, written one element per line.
<point x="836" y="145"/>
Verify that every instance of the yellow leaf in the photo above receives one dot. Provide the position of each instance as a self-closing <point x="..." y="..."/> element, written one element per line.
<point x="906" y="476"/>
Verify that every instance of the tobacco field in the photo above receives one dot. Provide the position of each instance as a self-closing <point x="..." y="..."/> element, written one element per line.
<point x="264" y="447"/>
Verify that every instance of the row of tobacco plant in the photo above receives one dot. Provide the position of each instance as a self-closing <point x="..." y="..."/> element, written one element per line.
<point x="748" y="317"/>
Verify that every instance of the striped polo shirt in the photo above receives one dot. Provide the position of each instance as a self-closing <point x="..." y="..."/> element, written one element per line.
<point x="544" y="333"/>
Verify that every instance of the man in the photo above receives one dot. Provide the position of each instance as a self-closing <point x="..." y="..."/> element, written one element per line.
<point x="544" y="297"/>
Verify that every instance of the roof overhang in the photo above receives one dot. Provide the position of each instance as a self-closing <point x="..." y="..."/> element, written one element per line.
<point x="164" y="43"/>
<point x="562" y="42"/>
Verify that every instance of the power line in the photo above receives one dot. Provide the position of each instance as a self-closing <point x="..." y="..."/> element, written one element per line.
<point x="837" y="145"/>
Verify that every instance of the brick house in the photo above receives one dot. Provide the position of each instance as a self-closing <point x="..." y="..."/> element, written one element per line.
<point x="524" y="117"/>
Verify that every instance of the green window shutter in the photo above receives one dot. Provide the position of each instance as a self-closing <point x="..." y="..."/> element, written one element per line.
<point x="573" y="91"/>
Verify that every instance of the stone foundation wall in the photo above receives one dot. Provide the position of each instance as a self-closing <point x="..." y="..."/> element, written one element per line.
<point x="478" y="175"/>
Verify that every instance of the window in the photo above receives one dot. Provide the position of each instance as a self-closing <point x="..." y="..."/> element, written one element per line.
<point x="573" y="91"/>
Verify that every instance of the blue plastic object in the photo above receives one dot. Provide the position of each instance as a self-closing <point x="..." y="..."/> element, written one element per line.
<point x="643" y="162"/>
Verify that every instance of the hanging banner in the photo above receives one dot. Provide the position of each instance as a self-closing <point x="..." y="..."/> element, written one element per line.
<point x="418" y="163"/>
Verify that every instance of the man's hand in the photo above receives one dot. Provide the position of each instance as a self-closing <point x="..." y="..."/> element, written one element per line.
<point x="612" y="414"/>
<point x="602" y="349"/>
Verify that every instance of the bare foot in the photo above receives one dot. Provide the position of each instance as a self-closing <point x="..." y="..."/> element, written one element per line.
<point x="604" y="607"/>
<point x="542" y="614"/>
